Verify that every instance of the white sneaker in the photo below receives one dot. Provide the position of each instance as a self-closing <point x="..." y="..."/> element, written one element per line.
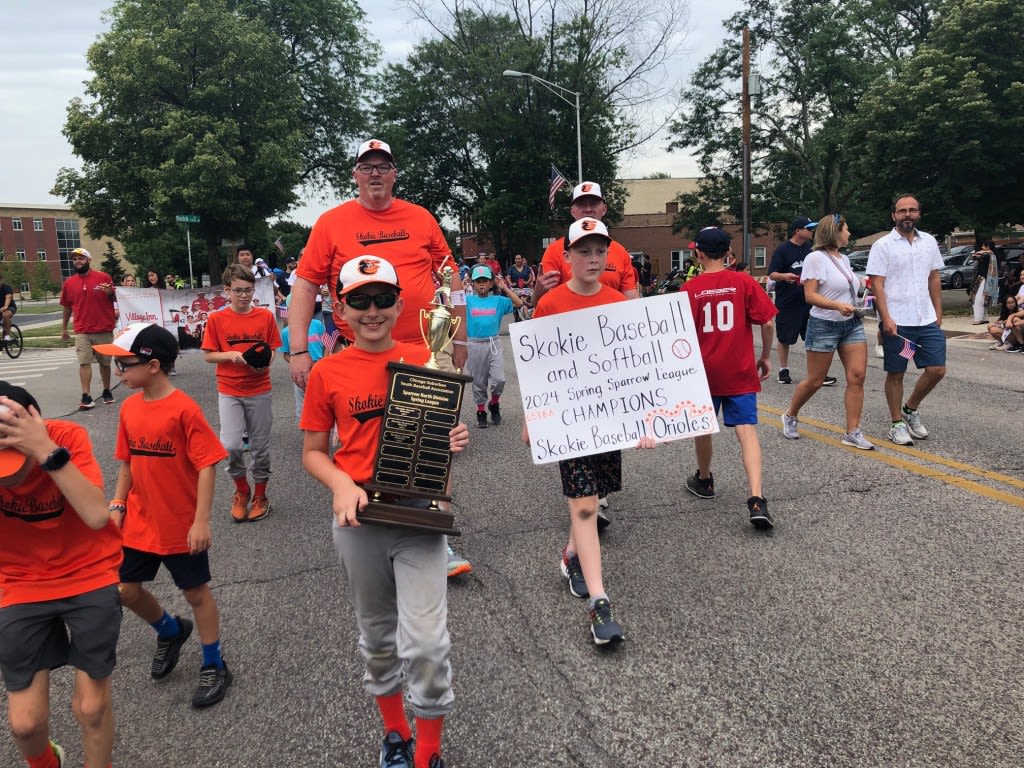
<point x="914" y="425"/>
<point x="856" y="439"/>
<point x="899" y="434"/>
<point x="879" y="351"/>
<point x="789" y="427"/>
<point x="602" y="502"/>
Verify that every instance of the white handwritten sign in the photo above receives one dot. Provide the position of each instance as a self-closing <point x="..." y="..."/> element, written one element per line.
<point x="599" y="379"/>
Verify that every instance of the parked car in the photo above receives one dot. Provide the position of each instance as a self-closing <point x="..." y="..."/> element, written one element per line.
<point x="859" y="263"/>
<point x="959" y="269"/>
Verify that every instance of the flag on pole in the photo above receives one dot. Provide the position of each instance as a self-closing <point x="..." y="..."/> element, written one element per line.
<point x="279" y="245"/>
<point x="557" y="180"/>
<point x="909" y="348"/>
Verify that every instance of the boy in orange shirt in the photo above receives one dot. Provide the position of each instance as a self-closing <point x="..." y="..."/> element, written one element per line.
<point x="162" y="502"/>
<point x="397" y="576"/>
<point x="58" y="580"/>
<point x="241" y="340"/>
<point x="588" y="478"/>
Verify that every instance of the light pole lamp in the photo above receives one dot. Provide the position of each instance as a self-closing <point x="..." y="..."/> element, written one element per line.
<point x="560" y="92"/>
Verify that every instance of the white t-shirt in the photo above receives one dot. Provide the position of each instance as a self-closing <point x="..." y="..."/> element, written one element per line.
<point x="836" y="282"/>
<point x="906" y="267"/>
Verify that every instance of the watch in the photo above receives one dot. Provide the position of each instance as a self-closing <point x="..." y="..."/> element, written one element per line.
<point x="56" y="460"/>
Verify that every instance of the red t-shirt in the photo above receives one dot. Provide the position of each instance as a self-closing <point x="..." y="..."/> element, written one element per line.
<point x="407" y="235"/>
<point x="92" y="309"/>
<point x="46" y="551"/>
<point x="618" y="272"/>
<point x="226" y="331"/>
<point x="166" y="442"/>
<point x="725" y="306"/>
<point x="563" y="299"/>
<point x="349" y="388"/>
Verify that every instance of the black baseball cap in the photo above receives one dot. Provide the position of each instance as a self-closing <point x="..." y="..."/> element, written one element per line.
<point x="712" y="241"/>
<point x="802" y="222"/>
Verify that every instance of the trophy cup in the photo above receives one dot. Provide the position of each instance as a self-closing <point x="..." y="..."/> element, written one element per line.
<point x="413" y="466"/>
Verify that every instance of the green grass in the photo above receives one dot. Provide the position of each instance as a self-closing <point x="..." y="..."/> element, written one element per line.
<point x="53" y="343"/>
<point x="38" y="309"/>
<point x="37" y="332"/>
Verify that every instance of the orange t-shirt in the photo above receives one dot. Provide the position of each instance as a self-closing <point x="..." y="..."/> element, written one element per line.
<point x="618" y="272"/>
<point x="405" y="234"/>
<point x="349" y="388"/>
<point x="46" y="551"/>
<point x="166" y="442"/>
<point x="563" y="299"/>
<point x="227" y="330"/>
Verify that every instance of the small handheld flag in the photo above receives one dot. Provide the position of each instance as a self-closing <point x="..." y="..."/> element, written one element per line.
<point x="909" y="348"/>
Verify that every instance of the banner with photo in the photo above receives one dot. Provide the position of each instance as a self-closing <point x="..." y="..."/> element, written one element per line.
<point x="183" y="311"/>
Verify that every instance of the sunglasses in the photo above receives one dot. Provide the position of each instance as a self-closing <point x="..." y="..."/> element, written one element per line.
<point x="362" y="301"/>
<point x="123" y="366"/>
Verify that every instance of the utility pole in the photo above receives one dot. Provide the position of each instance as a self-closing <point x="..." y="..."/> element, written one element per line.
<point x="746" y="145"/>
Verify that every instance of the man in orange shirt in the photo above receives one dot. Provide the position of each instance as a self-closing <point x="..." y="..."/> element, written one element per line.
<point x="58" y="580"/>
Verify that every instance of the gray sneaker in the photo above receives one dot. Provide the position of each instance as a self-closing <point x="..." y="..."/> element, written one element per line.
<point x="914" y="425"/>
<point x="856" y="439"/>
<point x="789" y="427"/>
<point x="899" y="433"/>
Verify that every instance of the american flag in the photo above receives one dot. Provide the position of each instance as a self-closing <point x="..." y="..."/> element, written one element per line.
<point x="557" y="180"/>
<point x="279" y="245"/>
<point x="909" y="348"/>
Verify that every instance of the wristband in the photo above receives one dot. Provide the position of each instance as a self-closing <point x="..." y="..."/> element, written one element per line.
<point x="458" y="343"/>
<point x="458" y="298"/>
<point x="300" y="352"/>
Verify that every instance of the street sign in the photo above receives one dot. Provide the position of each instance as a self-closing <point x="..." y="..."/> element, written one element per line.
<point x="187" y="218"/>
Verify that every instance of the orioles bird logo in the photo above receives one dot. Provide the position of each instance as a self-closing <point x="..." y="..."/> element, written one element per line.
<point x="374" y="144"/>
<point x="588" y="224"/>
<point x="369" y="267"/>
<point x="586" y="187"/>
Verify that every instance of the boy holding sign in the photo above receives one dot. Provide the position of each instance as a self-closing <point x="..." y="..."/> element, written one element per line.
<point x="725" y="306"/>
<point x="585" y="479"/>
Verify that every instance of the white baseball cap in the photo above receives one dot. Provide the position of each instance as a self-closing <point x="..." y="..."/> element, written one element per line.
<point x="366" y="270"/>
<point x="587" y="189"/>
<point x="586" y="227"/>
<point x="374" y="145"/>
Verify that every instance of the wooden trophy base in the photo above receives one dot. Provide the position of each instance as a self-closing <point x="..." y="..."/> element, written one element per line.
<point x="392" y="510"/>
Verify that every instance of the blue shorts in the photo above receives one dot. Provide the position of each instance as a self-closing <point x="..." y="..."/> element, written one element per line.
<point x="829" y="335"/>
<point x="791" y="323"/>
<point x="187" y="571"/>
<point x="737" y="410"/>
<point x="931" y="347"/>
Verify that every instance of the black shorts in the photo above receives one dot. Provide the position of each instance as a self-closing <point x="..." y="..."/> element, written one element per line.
<point x="81" y="630"/>
<point x="791" y="323"/>
<point x="188" y="571"/>
<point x="596" y="475"/>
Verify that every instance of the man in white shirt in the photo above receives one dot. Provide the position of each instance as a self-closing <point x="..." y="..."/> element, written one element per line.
<point x="904" y="268"/>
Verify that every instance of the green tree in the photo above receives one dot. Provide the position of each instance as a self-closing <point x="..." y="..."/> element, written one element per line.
<point x="111" y="264"/>
<point x="41" y="282"/>
<point x="14" y="274"/>
<point x="950" y="126"/>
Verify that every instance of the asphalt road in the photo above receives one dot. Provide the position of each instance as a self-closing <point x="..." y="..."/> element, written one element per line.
<point x="879" y="624"/>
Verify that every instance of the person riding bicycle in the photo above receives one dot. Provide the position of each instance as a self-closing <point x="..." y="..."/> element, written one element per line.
<point x="8" y="308"/>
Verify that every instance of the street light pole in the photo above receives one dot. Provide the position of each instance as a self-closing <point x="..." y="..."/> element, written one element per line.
<point x="560" y="92"/>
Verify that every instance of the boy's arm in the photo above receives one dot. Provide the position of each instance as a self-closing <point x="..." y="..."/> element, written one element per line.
<point x="764" y="366"/>
<point x="121" y="487"/>
<point x="199" y="536"/>
<point x="232" y="356"/>
<point x="347" y="497"/>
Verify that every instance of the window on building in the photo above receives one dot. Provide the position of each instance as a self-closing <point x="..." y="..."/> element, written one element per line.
<point x="760" y="256"/>
<point x="26" y="287"/>
<point x="20" y="254"/>
<point x="37" y="225"/>
<point x="68" y="238"/>
<point x="678" y="257"/>
<point x="41" y="254"/>
<point x="672" y="207"/>
<point x="16" y="224"/>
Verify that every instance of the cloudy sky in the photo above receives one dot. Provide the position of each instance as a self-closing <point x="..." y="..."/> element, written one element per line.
<point x="42" y="67"/>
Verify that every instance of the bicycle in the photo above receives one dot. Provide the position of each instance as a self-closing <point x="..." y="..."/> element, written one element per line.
<point x="15" y="344"/>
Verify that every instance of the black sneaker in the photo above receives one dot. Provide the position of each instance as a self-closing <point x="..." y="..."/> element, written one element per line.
<point x="481" y="419"/>
<point x="214" y="682"/>
<point x="759" y="517"/>
<point x="700" y="487"/>
<point x="396" y="752"/>
<point x="829" y="381"/>
<point x="603" y="626"/>
<point x="573" y="573"/>
<point x="435" y="762"/>
<point x="495" y="410"/>
<point x="108" y="397"/>
<point x="167" y="650"/>
<point x="784" y="376"/>
<point x="86" y="403"/>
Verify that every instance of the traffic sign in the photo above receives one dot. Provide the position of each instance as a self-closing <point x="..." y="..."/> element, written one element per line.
<point x="187" y="218"/>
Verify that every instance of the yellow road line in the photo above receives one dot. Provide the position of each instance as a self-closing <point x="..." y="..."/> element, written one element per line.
<point x="915" y="468"/>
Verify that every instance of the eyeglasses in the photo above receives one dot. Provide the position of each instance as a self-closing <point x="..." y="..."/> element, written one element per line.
<point x="904" y="211"/>
<point x="243" y="291"/>
<point x="123" y="366"/>
<point x="361" y="301"/>
<point x="382" y="169"/>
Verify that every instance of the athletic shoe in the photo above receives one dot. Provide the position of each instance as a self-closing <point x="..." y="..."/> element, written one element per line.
<point x="759" y="517"/>
<point x="998" y="346"/>
<point x="789" y="427"/>
<point x="573" y="573"/>
<point x="457" y="565"/>
<point x="240" y="507"/>
<point x="784" y="377"/>
<point x="856" y="439"/>
<point x="602" y="502"/>
<point x="495" y="410"/>
<point x="899" y="433"/>
<point x="1013" y="347"/>
<point x="914" y="425"/>
<point x="481" y="419"/>
<point x="698" y="486"/>
<point x="260" y="508"/>
<point x="829" y="381"/>
<point x="58" y="752"/>
<point x="214" y="682"/>
<point x="168" y="649"/>
<point x="435" y="761"/>
<point x="879" y="350"/>
<point x="108" y="397"/>
<point x="396" y="752"/>
<point x="603" y="521"/>
<point x="603" y="626"/>
<point x="86" y="403"/>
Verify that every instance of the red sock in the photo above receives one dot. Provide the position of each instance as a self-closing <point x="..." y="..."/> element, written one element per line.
<point x="428" y="740"/>
<point x="480" y="408"/>
<point x="494" y="399"/>
<point x="261" y="490"/>
<point x="242" y="486"/>
<point x="392" y="710"/>
<point x="45" y="759"/>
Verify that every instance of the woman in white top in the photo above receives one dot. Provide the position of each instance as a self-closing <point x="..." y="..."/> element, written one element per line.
<point x="831" y="288"/>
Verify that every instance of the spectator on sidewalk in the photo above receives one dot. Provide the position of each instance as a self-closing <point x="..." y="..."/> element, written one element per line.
<point x="88" y="297"/>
